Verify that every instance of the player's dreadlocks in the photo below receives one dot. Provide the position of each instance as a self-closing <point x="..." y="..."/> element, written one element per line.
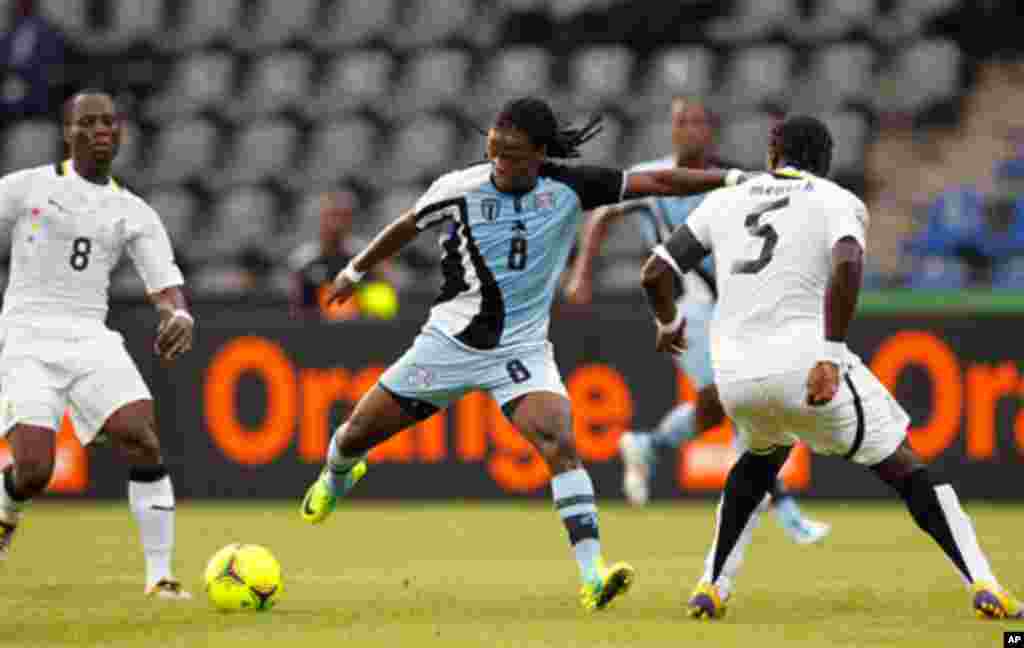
<point x="535" y="118"/>
<point x="803" y="142"/>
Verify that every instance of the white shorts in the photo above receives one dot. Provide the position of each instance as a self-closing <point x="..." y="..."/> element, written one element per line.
<point x="42" y="376"/>
<point x="863" y="423"/>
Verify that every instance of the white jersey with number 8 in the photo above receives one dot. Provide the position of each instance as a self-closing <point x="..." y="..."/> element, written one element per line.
<point x="68" y="235"/>
<point x="772" y="240"/>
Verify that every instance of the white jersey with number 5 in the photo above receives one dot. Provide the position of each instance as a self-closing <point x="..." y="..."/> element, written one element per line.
<point x="68" y="235"/>
<point x="772" y="240"/>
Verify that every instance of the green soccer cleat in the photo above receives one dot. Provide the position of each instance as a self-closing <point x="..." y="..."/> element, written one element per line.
<point x="320" y="500"/>
<point x="992" y="602"/>
<point x="597" y="593"/>
<point x="706" y="603"/>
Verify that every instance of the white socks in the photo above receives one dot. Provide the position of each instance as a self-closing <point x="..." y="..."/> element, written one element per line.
<point x="963" y="535"/>
<point x="573" y="493"/>
<point x="152" y="503"/>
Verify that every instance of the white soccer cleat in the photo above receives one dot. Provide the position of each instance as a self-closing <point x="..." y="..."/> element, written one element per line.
<point x="809" y="532"/>
<point x="168" y="589"/>
<point x="636" y="460"/>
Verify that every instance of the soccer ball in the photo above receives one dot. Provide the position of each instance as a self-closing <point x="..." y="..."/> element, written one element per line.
<point x="243" y="577"/>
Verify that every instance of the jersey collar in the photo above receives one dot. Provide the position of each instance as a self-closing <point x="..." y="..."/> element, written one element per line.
<point x="789" y="173"/>
<point x="67" y="169"/>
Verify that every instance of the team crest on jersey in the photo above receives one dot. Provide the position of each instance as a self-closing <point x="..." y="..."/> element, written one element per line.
<point x="545" y="200"/>
<point x="421" y="377"/>
<point x="491" y="209"/>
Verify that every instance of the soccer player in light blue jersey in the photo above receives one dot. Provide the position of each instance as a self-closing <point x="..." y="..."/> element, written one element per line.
<point x="513" y="220"/>
<point x="657" y="218"/>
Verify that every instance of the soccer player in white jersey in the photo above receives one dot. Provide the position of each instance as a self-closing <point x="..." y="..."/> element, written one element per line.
<point x="789" y="249"/>
<point x="693" y="141"/>
<point x="71" y="224"/>
<point x="510" y="225"/>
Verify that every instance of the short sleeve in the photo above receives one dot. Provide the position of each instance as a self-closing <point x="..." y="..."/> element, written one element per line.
<point x="150" y="249"/>
<point x="12" y="196"/>
<point x="595" y="185"/>
<point x="437" y="205"/>
<point x="849" y="218"/>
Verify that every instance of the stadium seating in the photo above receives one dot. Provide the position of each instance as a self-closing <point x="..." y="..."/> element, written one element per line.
<point x="202" y="80"/>
<point x="356" y="22"/>
<point x="338" y="149"/>
<point x="242" y="217"/>
<point x="30" y="143"/>
<point x="433" y="78"/>
<point x="202" y="22"/>
<point x="178" y="208"/>
<point x="278" y="23"/>
<point x="262" y="151"/>
<point x="383" y="94"/>
<point x="358" y="80"/>
<point x="182" y="151"/>
<point x="676" y="71"/>
<point x="275" y="82"/>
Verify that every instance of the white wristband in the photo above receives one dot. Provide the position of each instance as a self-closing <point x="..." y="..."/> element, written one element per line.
<point x="672" y="326"/>
<point x="183" y="314"/>
<point x="834" y="352"/>
<point x="352" y="274"/>
<point x="733" y="177"/>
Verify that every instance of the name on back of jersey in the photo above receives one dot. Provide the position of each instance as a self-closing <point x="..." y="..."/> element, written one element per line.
<point x="781" y="189"/>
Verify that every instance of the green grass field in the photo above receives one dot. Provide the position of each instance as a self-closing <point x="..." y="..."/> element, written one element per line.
<point x="469" y="574"/>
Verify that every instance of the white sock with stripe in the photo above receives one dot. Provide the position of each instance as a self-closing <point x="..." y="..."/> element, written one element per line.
<point x="151" y="498"/>
<point x="573" y="492"/>
<point x="964" y="536"/>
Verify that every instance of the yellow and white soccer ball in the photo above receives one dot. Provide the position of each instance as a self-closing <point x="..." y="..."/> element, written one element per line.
<point x="243" y="577"/>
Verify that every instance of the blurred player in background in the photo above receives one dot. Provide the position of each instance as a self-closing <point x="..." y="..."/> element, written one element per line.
<point x="789" y="247"/>
<point x="71" y="224"/>
<point x="315" y="264"/>
<point x="514" y="221"/>
<point x="693" y="143"/>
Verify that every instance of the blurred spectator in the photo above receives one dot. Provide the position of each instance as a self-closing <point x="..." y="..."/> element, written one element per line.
<point x="31" y="53"/>
<point x="315" y="264"/>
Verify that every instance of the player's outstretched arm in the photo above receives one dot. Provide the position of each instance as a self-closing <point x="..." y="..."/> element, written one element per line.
<point x="175" y="332"/>
<point x="841" y="297"/>
<point x="389" y="242"/>
<point x="680" y="182"/>
<point x="579" y="289"/>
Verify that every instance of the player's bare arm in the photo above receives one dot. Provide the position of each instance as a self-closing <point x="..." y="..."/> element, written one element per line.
<point x="680" y="254"/>
<point x="579" y="289"/>
<point x="679" y="182"/>
<point x="175" y="332"/>
<point x="389" y="242"/>
<point x="840" y="304"/>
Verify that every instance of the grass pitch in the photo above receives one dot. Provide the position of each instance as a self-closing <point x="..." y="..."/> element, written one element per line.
<point x="472" y="574"/>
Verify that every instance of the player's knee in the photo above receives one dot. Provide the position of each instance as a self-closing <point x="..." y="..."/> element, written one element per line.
<point x="137" y="440"/>
<point x="899" y="466"/>
<point x="553" y="439"/>
<point x="33" y="473"/>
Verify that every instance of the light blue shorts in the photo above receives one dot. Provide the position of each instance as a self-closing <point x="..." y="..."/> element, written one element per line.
<point x="437" y="371"/>
<point x="695" y="362"/>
